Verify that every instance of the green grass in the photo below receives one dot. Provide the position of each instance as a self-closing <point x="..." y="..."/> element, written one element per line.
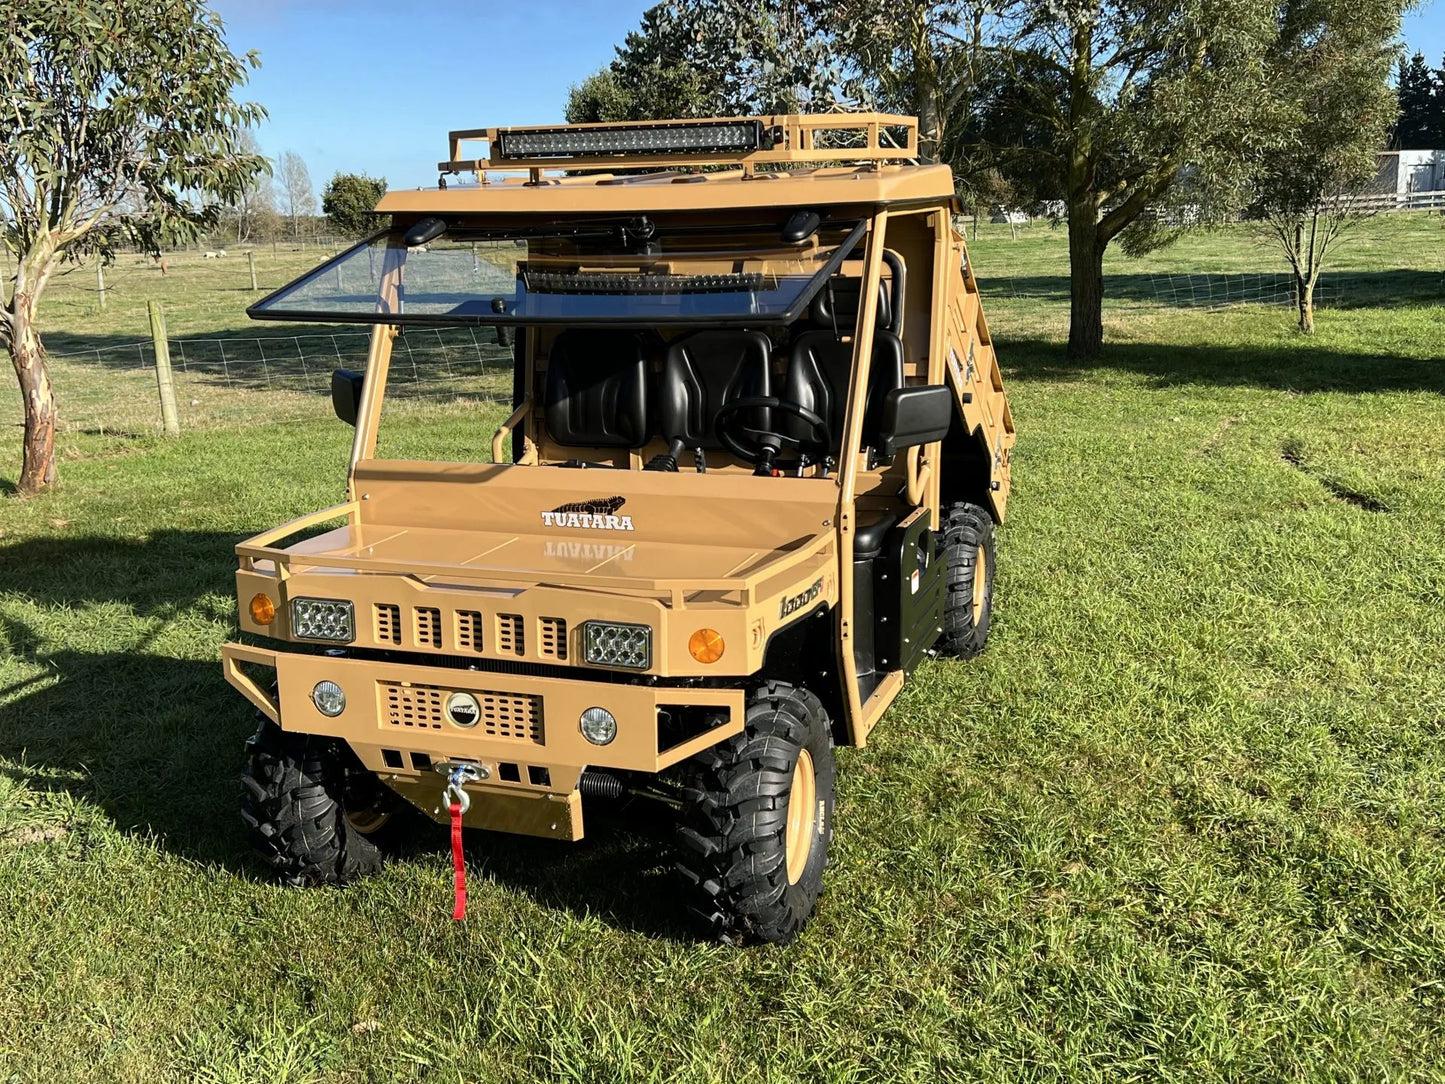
<point x="1182" y="821"/>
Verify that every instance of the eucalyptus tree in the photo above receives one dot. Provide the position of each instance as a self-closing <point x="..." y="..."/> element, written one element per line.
<point x="118" y="122"/>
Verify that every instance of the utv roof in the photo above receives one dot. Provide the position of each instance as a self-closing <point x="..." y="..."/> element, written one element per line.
<point x="778" y="161"/>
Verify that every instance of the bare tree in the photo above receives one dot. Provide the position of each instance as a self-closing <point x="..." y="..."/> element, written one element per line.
<point x="298" y="198"/>
<point x="1330" y="94"/>
<point x="255" y="206"/>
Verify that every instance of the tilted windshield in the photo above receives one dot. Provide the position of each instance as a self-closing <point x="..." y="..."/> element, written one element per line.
<point x="612" y="271"/>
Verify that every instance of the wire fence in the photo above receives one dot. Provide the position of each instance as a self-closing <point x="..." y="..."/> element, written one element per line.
<point x="243" y="379"/>
<point x="274" y="378"/>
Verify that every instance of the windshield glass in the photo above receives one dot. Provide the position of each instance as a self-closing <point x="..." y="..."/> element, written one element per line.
<point x="605" y="272"/>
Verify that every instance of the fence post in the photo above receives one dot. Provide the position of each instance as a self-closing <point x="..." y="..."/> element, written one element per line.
<point x="165" y="380"/>
<point x="100" y="281"/>
<point x="251" y="259"/>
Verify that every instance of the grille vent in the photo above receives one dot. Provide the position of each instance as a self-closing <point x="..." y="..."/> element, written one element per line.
<point x="388" y="623"/>
<point x="469" y="630"/>
<point x="414" y="706"/>
<point x="553" y="641"/>
<point x="510" y="638"/>
<point x="504" y="715"/>
<point x="428" y="626"/>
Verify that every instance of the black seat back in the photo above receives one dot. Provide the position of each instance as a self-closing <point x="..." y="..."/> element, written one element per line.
<point x="820" y="363"/>
<point x="700" y="373"/>
<point x="596" y="393"/>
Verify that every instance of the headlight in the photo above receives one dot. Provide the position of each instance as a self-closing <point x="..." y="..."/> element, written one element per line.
<point x="322" y="619"/>
<point x="606" y="643"/>
<point x="328" y="698"/>
<point x="599" y="726"/>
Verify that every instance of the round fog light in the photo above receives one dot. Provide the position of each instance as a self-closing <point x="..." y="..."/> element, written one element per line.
<point x="328" y="698"/>
<point x="598" y="726"/>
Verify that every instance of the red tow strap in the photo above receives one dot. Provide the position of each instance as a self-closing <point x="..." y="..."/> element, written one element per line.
<point x="459" y="912"/>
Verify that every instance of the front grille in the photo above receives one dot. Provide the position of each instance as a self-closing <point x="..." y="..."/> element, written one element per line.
<point x="510" y="638"/>
<point x="553" y="641"/>
<point x="504" y="715"/>
<point x="469" y="630"/>
<point x="388" y="623"/>
<point x="412" y="705"/>
<point x="428" y="626"/>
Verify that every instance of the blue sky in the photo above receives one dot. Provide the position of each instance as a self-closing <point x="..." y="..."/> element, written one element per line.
<point x="374" y="87"/>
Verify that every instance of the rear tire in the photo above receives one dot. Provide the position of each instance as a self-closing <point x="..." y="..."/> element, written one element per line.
<point x="757" y="819"/>
<point x="293" y="792"/>
<point x="968" y="550"/>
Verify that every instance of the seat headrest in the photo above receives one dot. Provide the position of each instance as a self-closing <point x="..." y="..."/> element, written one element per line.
<point x="836" y="305"/>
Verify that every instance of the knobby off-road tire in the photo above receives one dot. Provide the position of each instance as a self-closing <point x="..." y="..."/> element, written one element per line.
<point x="757" y="819"/>
<point x="968" y="553"/>
<point x="292" y="800"/>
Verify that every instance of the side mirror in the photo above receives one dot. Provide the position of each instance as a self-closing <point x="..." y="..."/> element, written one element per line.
<point x="346" y="394"/>
<point x="914" y="416"/>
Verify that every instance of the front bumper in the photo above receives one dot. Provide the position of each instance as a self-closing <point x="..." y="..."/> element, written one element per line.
<point x="528" y="736"/>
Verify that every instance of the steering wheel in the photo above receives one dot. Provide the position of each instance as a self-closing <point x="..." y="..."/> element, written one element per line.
<point x="761" y="446"/>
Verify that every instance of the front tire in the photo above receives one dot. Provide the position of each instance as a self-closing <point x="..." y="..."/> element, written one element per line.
<point x="294" y="802"/>
<point x="757" y="819"/>
<point x="968" y="552"/>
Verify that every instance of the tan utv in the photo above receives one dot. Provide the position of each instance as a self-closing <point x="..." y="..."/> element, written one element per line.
<point x="758" y="450"/>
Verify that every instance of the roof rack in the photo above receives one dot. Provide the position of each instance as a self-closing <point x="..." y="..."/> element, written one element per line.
<point x="728" y="141"/>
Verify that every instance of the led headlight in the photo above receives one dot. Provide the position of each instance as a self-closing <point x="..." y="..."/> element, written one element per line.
<point x="322" y="619"/>
<point x="328" y="698"/>
<point x="607" y="643"/>
<point x="599" y="726"/>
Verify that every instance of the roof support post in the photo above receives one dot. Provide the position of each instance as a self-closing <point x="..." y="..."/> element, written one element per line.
<point x="866" y="328"/>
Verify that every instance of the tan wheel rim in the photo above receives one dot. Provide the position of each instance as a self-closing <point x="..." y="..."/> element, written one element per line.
<point x="980" y="585"/>
<point x="802" y="816"/>
<point x="367" y="821"/>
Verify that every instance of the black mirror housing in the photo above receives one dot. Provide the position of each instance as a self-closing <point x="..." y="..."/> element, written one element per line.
<point x="346" y="394"/>
<point x="913" y="416"/>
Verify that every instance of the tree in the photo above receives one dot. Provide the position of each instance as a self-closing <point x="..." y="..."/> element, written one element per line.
<point x="708" y="58"/>
<point x="1329" y="93"/>
<point x="918" y="57"/>
<point x="297" y="197"/>
<point x="1421" y="95"/>
<point x="348" y="200"/>
<point x="118" y="123"/>
<point x="599" y="99"/>
<point x="1131" y="103"/>
<point x="253" y="213"/>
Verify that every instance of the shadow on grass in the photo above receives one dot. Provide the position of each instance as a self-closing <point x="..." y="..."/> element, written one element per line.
<point x="156" y="741"/>
<point x="1299" y="367"/>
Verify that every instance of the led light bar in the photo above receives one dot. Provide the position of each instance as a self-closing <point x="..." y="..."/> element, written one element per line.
<point x="589" y="282"/>
<point x="322" y="619"/>
<point x="703" y="137"/>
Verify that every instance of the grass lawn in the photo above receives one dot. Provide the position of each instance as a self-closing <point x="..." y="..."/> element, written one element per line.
<point x="1182" y="821"/>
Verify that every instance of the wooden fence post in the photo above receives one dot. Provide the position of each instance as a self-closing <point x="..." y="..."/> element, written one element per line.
<point x="251" y="259"/>
<point x="100" y="281"/>
<point x="165" y="380"/>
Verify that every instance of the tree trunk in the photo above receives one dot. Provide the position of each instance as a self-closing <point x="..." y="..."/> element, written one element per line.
<point x="929" y="122"/>
<point x="1086" y="281"/>
<point x="27" y="354"/>
<point x="1304" y="297"/>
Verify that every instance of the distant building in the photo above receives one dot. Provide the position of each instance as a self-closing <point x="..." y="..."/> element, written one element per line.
<point x="1405" y="173"/>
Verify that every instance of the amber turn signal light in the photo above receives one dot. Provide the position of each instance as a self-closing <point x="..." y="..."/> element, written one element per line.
<point x="706" y="645"/>
<point x="263" y="610"/>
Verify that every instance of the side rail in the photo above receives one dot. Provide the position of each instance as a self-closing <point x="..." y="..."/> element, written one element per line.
<point x="264" y="547"/>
